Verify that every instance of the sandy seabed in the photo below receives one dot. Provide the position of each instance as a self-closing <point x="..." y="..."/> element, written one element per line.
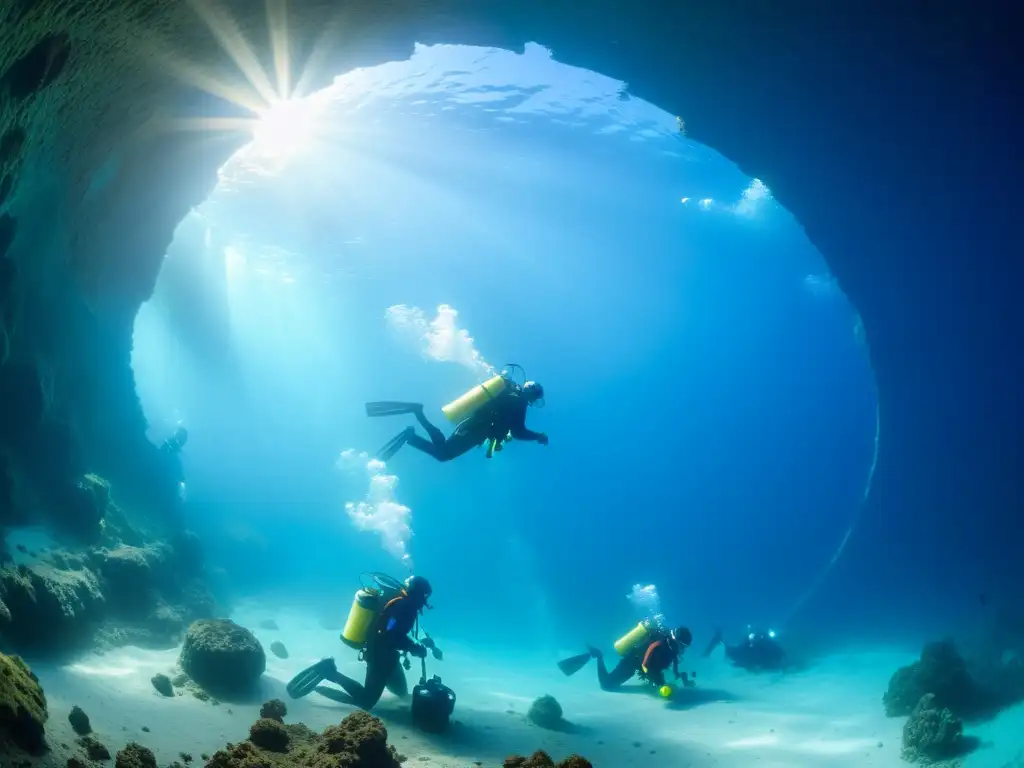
<point x="828" y="715"/>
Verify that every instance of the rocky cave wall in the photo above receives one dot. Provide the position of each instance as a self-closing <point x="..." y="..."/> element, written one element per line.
<point x="827" y="104"/>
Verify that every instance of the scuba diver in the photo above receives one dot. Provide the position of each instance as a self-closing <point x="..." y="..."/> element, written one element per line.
<point x="493" y="412"/>
<point x="648" y="654"/>
<point x="172" y="445"/>
<point x="759" y="652"/>
<point x="381" y="629"/>
<point x="171" y="470"/>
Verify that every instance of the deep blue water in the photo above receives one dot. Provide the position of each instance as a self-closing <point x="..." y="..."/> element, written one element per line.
<point x="710" y="400"/>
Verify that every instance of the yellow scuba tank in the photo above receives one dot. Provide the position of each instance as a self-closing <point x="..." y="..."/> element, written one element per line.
<point x="633" y="638"/>
<point x="470" y="402"/>
<point x="366" y="607"/>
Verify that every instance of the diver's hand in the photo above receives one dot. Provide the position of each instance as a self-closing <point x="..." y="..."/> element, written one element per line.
<point x="542" y="439"/>
<point x="429" y="644"/>
<point x="419" y="651"/>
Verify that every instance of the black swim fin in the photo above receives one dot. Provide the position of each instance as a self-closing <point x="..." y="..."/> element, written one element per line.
<point x="713" y="644"/>
<point x="308" y="679"/>
<point x="334" y="694"/>
<point x="574" y="664"/>
<point x="391" y="408"/>
<point x="395" y="444"/>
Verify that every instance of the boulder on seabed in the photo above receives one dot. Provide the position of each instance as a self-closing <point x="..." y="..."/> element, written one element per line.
<point x="222" y="657"/>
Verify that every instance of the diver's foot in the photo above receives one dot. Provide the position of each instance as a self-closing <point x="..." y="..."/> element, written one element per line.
<point x="595" y="653"/>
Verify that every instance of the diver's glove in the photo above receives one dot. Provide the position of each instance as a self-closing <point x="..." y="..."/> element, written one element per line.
<point x="419" y="651"/>
<point x="542" y="439"/>
<point x="688" y="681"/>
<point x="428" y="642"/>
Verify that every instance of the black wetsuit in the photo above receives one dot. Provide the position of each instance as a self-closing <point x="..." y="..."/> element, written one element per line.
<point x="506" y="414"/>
<point x="172" y="476"/>
<point x="651" y="663"/>
<point x="383" y="656"/>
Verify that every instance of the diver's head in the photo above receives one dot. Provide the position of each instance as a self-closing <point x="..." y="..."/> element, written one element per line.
<point x="181" y="436"/>
<point x="682" y="637"/>
<point x="533" y="392"/>
<point x="419" y="591"/>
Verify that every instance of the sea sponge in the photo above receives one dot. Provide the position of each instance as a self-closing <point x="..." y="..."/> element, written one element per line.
<point x="932" y="733"/>
<point x="22" y="706"/>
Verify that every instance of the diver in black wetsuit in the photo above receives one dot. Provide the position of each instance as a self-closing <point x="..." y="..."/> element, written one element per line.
<point x="758" y="652"/>
<point x="382" y="652"/>
<point x="173" y="472"/>
<point x="503" y="416"/>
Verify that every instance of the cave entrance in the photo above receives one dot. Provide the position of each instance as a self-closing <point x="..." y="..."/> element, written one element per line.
<point x="709" y="387"/>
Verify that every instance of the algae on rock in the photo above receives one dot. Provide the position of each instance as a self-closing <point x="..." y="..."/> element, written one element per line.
<point x="22" y="706"/>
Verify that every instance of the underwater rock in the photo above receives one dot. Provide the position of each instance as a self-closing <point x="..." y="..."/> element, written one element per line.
<point x="135" y="756"/>
<point x="79" y="721"/>
<point x="546" y="712"/>
<point x="543" y="760"/>
<point x="198" y="602"/>
<point x="222" y="657"/>
<point x="277" y="648"/>
<point x="22" y="706"/>
<point x="932" y="733"/>
<point x="359" y="741"/>
<point x="84" y="507"/>
<point x="274" y="709"/>
<point x="127" y="579"/>
<point x="269" y="624"/>
<point x="94" y="749"/>
<point x="50" y="608"/>
<point x="940" y="671"/>
<point x="269" y="735"/>
<point x="163" y="686"/>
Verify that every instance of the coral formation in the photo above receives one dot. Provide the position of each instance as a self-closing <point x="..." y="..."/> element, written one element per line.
<point x="932" y="733"/>
<point x="22" y="706"/>
<point x="222" y="657"/>
<point x="543" y="760"/>
<point x="941" y="671"/>
<point x="546" y="712"/>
